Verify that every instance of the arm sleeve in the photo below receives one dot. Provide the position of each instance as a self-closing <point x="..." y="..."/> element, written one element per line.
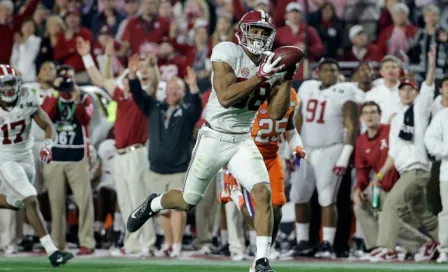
<point x="362" y="168"/>
<point x="144" y="101"/>
<point x="84" y="110"/>
<point x="424" y="101"/>
<point x="434" y="136"/>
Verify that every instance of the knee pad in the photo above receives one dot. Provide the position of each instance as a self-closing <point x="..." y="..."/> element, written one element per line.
<point x="327" y="197"/>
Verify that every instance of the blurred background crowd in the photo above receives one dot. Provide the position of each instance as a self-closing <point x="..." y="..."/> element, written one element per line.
<point x="103" y="154"/>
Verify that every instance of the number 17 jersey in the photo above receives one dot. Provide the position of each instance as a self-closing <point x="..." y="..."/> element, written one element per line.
<point x="16" y="141"/>
<point x="322" y="111"/>
<point x="239" y="117"/>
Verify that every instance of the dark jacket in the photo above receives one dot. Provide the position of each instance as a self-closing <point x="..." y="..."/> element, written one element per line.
<point x="169" y="148"/>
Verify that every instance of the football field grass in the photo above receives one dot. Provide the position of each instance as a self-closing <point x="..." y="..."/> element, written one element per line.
<point x="137" y="265"/>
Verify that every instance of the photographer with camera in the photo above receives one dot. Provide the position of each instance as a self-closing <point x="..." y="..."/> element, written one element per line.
<point x="71" y="112"/>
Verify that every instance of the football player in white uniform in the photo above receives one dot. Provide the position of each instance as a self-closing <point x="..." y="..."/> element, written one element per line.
<point x="242" y="80"/>
<point x="18" y="107"/>
<point x="328" y="123"/>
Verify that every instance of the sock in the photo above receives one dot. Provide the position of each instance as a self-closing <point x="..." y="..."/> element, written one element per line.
<point x="156" y="205"/>
<point x="118" y="225"/>
<point x="328" y="234"/>
<point x="97" y="226"/>
<point x="237" y="198"/>
<point x="224" y="237"/>
<point x="177" y="248"/>
<point x="48" y="244"/>
<point x="263" y="247"/>
<point x="253" y="237"/>
<point x="302" y="232"/>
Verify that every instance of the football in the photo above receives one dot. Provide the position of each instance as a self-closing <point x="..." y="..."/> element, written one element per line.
<point x="291" y="56"/>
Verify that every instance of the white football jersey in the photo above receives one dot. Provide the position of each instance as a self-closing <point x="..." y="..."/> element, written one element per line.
<point x="239" y="117"/>
<point x="322" y="110"/>
<point x="16" y="140"/>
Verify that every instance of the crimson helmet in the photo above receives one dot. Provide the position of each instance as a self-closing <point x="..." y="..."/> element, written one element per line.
<point x="9" y="84"/>
<point x="255" y="43"/>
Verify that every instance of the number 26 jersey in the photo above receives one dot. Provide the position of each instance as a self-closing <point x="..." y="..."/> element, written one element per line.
<point x="239" y="117"/>
<point x="322" y="111"/>
<point x="16" y="141"/>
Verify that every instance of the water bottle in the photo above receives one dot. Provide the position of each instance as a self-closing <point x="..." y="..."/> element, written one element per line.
<point x="376" y="197"/>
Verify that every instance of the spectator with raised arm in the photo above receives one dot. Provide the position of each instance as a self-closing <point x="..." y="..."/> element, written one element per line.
<point x="171" y="121"/>
<point x="25" y="51"/>
<point x="10" y="24"/>
<point x="130" y="165"/>
<point x="408" y="155"/>
<point x="65" y="49"/>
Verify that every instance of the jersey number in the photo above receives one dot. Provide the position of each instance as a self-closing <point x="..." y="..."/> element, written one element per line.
<point x="311" y="109"/>
<point x="65" y="137"/>
<point x="267" y="126"/>
<point x="9" y="127"/>
<point x="254" y="100"/>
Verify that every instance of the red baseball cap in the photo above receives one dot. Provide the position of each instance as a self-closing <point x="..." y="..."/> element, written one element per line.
<point x="409" y="82"/>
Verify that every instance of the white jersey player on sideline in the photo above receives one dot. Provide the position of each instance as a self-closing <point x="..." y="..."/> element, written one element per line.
<point x="242" y="80"/>
<point x="329" y="126"/>
<point x="18" y="107"/>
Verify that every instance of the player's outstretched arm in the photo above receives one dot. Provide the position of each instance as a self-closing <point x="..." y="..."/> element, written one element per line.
<point x="228" y="91"/>
<point x="279" y="100"/>
<point x="43" y="121"/>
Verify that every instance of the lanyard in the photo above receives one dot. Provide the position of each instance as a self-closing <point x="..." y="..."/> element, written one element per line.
<point x="60" y="108"/>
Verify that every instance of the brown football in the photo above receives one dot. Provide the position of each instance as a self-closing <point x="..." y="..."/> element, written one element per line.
<point x="291" y="55"/>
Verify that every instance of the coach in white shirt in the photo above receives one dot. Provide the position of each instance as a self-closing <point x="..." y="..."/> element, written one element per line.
<point x="436" y="141"/>
<point x="407" y="152"/>
<point x="386" y="95"/>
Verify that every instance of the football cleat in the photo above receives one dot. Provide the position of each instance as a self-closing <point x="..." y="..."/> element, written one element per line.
<point x="262" y="265"/>
<point x="59" y="258"/>
<point x="443" y="258"/>
<point x="141" y="214"/>
<point x="325" y="250"/>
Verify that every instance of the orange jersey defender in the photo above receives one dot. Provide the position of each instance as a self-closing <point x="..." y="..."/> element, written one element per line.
<point x="266" y="134"/>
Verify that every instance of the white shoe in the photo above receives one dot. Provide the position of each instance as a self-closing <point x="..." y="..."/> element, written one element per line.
<point x="238" y="257"/>
<point x="252" y="267"/>
<point x="175" y="254"/>
<point x="274" y="254"/>
<point x="164" y="251"/>
<point x="443" y="258"/>
<point x="426" y="252"/>
<point x="383" y="255"/>
<point x="10" y="249"/>
<point x="205" y="249"/>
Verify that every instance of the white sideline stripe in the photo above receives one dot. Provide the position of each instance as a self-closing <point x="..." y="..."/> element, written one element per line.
<point x="311" y="265"/>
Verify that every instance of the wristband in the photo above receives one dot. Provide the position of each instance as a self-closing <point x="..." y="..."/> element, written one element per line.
<point x="88" y="61"/>
<point x="47" y="143"/>
<point x="380" y="176"/>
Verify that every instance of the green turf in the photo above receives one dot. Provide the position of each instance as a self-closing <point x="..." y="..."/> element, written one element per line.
<point x="134" y="265"/>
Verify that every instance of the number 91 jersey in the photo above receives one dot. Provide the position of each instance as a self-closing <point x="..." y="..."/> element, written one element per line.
<point x="322" y="111"/>
<point x="239" y="117"/>
<point x="16" y="141"/>
<point x="266" y="132"/>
